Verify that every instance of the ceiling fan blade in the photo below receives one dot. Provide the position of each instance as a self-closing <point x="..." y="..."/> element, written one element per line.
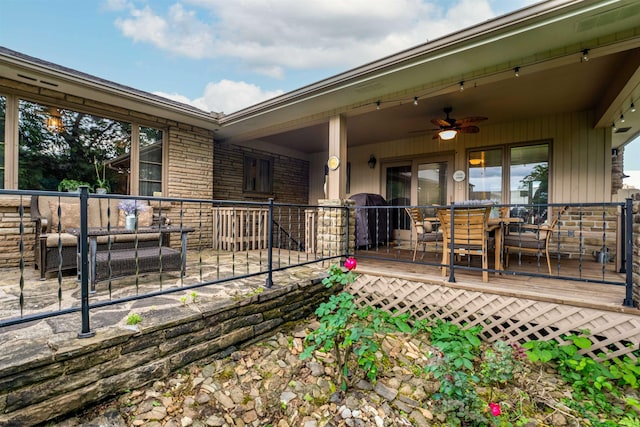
<point x="469" y="129"/>
<point x="472" y="119"/>
<point x="440" y="122"/>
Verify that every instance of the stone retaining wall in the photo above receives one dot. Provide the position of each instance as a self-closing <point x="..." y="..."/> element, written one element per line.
<point x="43" y="383"/>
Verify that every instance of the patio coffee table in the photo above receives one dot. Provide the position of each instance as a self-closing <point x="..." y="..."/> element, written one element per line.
<point x="104" y="264"/>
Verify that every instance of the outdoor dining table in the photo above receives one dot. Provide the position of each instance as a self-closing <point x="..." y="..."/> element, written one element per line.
<point x="499" y="226"/>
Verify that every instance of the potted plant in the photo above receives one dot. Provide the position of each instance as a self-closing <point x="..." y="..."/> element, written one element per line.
<point x="102" y="184"/>
<point x="130" y="208"/>
<point x="70" y="185"/>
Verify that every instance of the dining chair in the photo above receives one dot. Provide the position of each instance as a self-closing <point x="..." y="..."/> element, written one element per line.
<point x="425" y="232"/>
<point x="470" y="235"/>
<point x="531" y="239"/>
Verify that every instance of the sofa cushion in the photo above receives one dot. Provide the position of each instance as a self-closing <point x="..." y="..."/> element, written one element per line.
<point x="70" y="214"/>
<point x="66" y="239"/>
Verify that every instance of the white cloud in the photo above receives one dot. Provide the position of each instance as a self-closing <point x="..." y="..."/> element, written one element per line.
<point x="226" y="96"/>
<point x="271" y="36"/>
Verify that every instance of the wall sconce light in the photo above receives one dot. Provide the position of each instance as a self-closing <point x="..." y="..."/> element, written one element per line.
<point x="614" y="153"/>
<point x="372" y="161"/>
<point x="54" y="121"/>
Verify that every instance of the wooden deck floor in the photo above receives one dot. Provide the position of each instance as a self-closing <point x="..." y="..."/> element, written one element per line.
<point x="398" y="263"/>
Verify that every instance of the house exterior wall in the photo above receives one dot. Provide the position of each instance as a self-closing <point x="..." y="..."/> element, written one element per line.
<point x="187" y="170"/>
<point x="290" y="176"/>
<point x="580" y="156"/>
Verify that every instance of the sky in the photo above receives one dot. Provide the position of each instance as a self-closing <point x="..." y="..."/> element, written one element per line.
<point x="225" y="55"/>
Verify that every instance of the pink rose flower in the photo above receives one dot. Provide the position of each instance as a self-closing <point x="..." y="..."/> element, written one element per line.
<point x="350" y="263"/>
<point x="495" y="409"/>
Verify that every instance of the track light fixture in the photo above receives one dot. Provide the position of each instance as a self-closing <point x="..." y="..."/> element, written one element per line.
<point x="613" y="126"/>
<point x="377" y="105"/>
<point x="633" y="108"/>
<point x="621" y="118"/>
<point x="516" y="71"/>
<point x="585" y="55"/>
<point x="415" y="100"/>
<point x="461" y="85"/>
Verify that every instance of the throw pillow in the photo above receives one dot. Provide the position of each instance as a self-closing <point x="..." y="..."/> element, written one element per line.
<point x="69" y="215"/>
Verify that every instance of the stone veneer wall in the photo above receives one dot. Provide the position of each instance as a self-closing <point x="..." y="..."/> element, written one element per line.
<point x="190" y="175"/>
<point x="46" y="383"/>
<point x="10" y="239"/>
<point x="594" y="225"/>
<point x="290" y="176"/>
<point x="190" y="163"/>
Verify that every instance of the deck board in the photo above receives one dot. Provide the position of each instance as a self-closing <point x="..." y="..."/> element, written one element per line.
<point x="397" y="262"/>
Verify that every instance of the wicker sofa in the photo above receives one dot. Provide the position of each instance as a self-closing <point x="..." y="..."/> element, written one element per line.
<point x="56" y="250"/>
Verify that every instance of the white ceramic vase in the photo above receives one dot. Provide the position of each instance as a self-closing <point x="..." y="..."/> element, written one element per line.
<point x="130" y="222"/>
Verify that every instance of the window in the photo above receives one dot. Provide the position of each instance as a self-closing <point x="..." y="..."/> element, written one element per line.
<point x="526" y="170"/>
<point x="529" y="181"/>
<point x="56" y="144"/>
<point x="258" y="174"/>
<point x="485" y="175"/>
<point x="150" y="161"/>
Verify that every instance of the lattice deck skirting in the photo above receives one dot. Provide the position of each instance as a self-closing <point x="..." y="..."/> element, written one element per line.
<point x="507" y="318"/>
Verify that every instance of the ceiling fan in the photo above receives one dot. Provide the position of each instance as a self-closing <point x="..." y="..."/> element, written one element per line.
<point x="449" y="127"/>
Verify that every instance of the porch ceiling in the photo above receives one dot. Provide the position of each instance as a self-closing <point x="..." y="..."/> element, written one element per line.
<point x="546" y="44"/>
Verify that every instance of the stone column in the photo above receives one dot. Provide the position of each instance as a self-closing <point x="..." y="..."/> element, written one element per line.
<point x="332" y="228"/>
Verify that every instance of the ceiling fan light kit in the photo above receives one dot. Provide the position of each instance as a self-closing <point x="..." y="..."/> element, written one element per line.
<point x="448" y="128"/>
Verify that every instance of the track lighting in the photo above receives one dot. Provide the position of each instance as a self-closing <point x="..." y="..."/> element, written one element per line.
<point x="633" y="108"/>
<point x="613" y="126"/>
<point x="621" y="118"/>
<point x="461" y="86"/>
<point x="516" y="71"/>
<point x="585" y="55"/>
<point x="415" y="100"/>
<point x="377" y="105"/>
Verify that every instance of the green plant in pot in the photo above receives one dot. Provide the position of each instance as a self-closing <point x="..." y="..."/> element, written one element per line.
<point x="70" y="185"/>
<point x="102" y="184"/>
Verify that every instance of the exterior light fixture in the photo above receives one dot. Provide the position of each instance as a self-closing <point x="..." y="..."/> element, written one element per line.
<point x="372" y="161"/>
<point x="53" y="121"/>
<point x="447" y="134"/>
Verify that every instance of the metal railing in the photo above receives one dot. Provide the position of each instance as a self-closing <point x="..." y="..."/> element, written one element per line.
<point x="588" y="242"/>
<point x="222" y="241"/>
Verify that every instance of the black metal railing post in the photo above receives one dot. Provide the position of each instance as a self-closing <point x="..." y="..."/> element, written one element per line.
<point x="452" y="277"/>
<point x="269" y="281"/>
<point x="84" y="263"/>
<point x="628" y="245"/>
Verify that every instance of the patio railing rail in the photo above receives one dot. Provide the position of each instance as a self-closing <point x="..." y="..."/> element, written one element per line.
<point x="224" y="240"/>
<point x="588" y="242"/>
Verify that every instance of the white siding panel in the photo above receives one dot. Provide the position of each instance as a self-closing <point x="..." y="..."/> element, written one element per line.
<point x="580" y="155"/>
